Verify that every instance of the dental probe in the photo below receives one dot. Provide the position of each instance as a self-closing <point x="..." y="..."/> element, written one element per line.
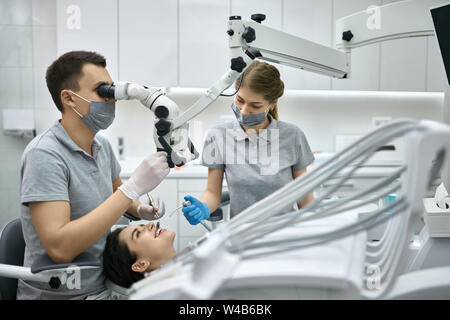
<point x="171" y="214"/>
<point x="150" y="202"/>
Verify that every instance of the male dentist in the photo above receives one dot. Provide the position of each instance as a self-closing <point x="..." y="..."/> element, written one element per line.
<point x="71" y="192"/>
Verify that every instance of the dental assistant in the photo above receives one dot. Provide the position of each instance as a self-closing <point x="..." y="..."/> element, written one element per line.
<point x="257" y="153"/>
<point x="71" y="192"/>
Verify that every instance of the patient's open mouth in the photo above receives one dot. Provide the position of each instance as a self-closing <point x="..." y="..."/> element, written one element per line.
<point x="159" y="231"/>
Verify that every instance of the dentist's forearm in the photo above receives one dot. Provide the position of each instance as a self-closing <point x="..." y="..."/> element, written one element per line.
<point x="212" y="200"/>
<point x="80" y="234"/>
<point x="132" y="209"/>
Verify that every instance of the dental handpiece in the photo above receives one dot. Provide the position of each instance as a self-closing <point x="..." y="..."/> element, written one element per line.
<point x="185" y="204"/>
<point x="188" y="203"/>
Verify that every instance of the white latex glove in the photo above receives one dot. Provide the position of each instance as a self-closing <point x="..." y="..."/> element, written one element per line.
<point x="150" y="172"/>
<point x="155" y="209"/>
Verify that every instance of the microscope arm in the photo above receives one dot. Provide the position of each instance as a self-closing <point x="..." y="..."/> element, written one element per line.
<point x="247" y="40"/>
<point x="175" y="142"/>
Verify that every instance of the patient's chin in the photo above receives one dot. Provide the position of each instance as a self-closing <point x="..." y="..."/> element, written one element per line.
<point x="168" y="235"/>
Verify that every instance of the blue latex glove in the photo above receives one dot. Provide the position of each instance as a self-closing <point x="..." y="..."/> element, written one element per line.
<point x="196" y="212"/>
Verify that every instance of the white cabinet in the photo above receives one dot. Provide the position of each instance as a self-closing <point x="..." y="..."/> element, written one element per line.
<point x="310" y="20"/>
<point x="203" y="50"/>
<point x="88" y="25"/>
<point x="148" y="42"/>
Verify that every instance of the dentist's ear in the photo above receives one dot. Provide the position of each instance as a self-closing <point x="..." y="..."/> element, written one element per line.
<point x="67" y="98"/>
<point x="141" y="265"/>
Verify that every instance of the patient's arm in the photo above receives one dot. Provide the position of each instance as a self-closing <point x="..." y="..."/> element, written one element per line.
<point x="309" y="198"/>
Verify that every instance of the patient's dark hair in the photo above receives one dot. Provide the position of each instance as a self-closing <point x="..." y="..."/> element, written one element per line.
<point x="117" y="261"/>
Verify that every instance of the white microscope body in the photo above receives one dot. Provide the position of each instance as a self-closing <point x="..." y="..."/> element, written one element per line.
<point x="175" y="141"/>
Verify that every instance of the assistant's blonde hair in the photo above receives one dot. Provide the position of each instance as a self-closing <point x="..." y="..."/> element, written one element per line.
<point x="263" y="78"/>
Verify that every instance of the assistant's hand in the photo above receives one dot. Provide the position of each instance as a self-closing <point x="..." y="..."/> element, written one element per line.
<point x="155" y="209"/>
<point x="150" y="172"/>
<point x="196" y="212"/>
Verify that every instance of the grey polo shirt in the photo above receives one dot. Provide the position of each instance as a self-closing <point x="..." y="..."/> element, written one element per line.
<point x="55" y="168"/>
<point x="256" y="165"/>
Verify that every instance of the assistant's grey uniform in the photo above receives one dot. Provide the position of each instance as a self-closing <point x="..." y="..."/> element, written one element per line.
<point x="256" y="165"/>
<point x="55" y="168"/>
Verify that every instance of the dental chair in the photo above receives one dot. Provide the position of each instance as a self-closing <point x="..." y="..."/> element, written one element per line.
<point x="12" y="249"/>
<point x="321" y="251"/>
<point x="217" y="217"/>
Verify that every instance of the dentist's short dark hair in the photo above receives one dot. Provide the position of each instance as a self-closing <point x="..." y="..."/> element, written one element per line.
<point x="117" y="261"/>
<point x="65" y="72"/>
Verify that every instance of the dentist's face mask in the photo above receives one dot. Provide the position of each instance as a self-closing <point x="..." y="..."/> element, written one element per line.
<point x="101" y="114"/>
<point x="251" y="119"/>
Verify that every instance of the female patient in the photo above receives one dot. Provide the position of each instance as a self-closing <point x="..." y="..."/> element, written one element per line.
<point x="131" y="251"/>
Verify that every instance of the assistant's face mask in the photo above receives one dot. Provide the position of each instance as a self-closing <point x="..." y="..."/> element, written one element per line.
<point x="101" y="114"/>
<point x="251" y="119"/>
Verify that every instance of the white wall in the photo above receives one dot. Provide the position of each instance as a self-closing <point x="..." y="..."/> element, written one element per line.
<point x="28" y="45"/>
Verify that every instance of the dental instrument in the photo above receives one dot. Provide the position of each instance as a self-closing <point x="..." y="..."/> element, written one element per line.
<point x="188" y="203"/>
<point x="185" y="204"/>
<point x="150" y="203"/>
<point x="175" y="210"/>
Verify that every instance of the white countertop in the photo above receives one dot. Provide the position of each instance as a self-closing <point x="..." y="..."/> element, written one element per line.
<point x="194" y="170"/>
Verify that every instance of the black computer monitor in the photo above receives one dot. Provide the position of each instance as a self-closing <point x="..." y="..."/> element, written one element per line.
<point x="441" y="21"/>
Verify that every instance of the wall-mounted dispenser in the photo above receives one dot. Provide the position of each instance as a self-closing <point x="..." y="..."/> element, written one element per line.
<point x="19" y="122"/>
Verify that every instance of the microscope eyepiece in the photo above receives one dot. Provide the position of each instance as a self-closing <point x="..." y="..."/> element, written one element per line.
<point x="106" y="91"/>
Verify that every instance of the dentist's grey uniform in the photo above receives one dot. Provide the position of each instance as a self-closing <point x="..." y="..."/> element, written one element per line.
<point x="55" y="168"/>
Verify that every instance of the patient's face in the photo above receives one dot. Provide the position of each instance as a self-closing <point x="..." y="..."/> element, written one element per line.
<point x="149" y="244"/>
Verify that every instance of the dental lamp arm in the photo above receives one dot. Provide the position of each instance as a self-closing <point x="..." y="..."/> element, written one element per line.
<point x="250" y="39"/>
<point x="239" y="62"/>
